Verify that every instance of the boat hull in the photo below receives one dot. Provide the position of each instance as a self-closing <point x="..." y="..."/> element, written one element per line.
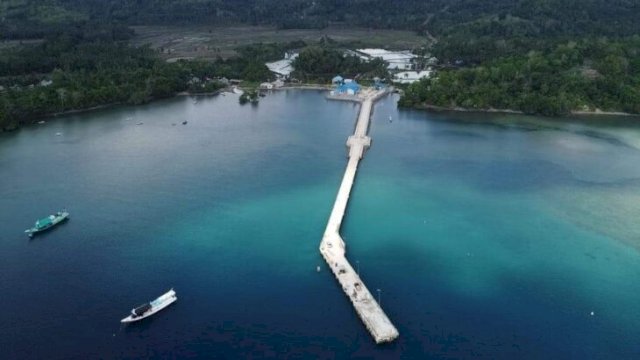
<point x="159" y="304"/>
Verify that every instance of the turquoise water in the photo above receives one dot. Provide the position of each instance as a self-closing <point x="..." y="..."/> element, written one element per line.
<point x="492" y="236"/>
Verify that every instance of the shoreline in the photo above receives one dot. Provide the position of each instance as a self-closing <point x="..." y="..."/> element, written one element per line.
<point x="600" y="112"/>
<point x="36" y="119"/>
<point x="425" y="107"/>
<point x="577" y="113"/>
<point x="305" y="87"/>
<point x="461" y="109"/>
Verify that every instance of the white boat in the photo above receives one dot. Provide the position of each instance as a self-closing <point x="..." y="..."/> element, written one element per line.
<point x="237" y="91"/>
<point x="150" y="308"/>
<point x="48" y="222"/>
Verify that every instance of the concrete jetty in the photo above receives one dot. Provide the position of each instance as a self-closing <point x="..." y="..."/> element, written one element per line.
<point x="332" y="246"/>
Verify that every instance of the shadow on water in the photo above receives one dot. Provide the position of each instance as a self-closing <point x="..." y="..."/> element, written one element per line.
<point x="527" y="315"/>
<point x="499" y="175"/>
<point x="609" y="139"/>
<point x="431" y="322"/>
<point x="559" y="311"/>
<point x="458" y="134"/>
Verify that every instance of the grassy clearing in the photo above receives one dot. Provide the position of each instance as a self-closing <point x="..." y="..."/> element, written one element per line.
<point x="211" y="42"/>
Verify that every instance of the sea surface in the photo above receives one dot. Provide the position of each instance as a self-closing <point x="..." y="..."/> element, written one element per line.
<point x="490" y="236"/>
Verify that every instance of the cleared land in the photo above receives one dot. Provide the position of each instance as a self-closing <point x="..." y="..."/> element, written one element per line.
<point x="211" y="42"/>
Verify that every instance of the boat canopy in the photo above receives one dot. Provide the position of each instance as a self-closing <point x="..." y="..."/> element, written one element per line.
<point x="43" y="222"/>
<point x="141" y="309"/>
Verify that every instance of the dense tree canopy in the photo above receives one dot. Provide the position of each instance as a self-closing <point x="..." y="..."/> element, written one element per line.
<point x="584" y="75"/>
<point x="320" y="64"/>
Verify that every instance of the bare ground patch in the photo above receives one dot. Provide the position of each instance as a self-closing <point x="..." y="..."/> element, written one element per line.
<point x="211" y="42"/>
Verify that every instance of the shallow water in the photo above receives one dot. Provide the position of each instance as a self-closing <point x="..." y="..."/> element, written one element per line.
<point x="489" y="235"/>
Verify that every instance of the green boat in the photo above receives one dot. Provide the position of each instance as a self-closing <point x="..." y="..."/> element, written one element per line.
<point x="48" y="222"/>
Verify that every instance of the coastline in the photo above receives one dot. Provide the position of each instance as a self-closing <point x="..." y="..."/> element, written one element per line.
<point x="518" y="112"/>
<point x="425" y="107"/>
<point x="305" y="87"/>
<point x="102" y="107"/>
<point x="600" y="112"/>
<point x="182" y="93"/>
<point x="461" y="109"/>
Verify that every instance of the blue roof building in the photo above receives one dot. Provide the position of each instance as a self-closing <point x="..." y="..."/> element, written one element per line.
<point x="337" y="80"/>
<point x="351" y="88"/>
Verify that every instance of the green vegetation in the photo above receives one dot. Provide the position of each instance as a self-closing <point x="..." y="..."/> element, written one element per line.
<point x="546" y="57"/>
<point x="544" y="18"/>
<point x="249" y="96"/>
<point x="320" y="64"/>
<point x="69" y="72"/>
<point x="584" y="75"/>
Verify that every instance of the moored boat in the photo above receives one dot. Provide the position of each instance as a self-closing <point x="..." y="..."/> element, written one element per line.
<point x="48" y="222"/>
<point x="147" y="309"/>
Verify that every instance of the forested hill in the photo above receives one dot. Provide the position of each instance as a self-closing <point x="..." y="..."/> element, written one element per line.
<point x="440" y="17"/>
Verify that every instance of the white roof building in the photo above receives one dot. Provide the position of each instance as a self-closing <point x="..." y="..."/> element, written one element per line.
<point x="409" y="77"/>
<point x="282" y="67"/>
<point x="398" y="60"/>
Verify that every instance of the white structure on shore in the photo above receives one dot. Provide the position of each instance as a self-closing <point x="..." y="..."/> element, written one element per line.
<point x="282" y="68"/>
<point x="266" y="86"/>
<point x="278" y="83"/>
<point x="397" y="60"/>
<point x="409" y="77"/>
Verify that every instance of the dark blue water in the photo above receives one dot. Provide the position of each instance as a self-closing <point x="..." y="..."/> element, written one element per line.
<point x="490" y="236"/>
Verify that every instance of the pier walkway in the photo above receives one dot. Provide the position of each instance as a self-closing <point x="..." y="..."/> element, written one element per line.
<point x="332" y="246"/>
